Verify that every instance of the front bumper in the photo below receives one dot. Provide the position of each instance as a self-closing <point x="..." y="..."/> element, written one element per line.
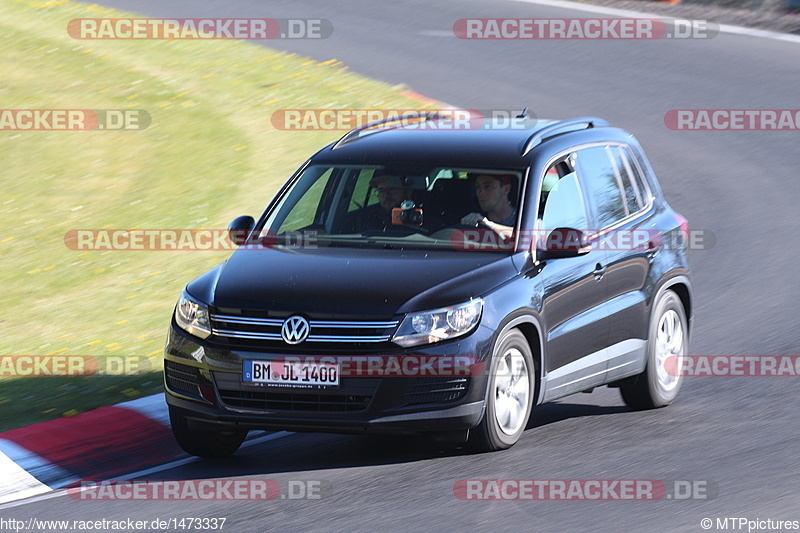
<point x="204" y="383"/>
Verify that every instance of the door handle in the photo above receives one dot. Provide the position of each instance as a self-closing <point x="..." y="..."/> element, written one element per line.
<point x="599" y="270"/>
<point x="653" y="246"/>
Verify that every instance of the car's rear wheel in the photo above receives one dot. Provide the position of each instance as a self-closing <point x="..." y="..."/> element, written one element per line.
<point x="512" y="381"/>
<point x="667" y="341"/>
<point x="211" y="444"/>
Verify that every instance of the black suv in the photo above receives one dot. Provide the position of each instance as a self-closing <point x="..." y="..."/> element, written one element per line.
<point x="419" y="278"/>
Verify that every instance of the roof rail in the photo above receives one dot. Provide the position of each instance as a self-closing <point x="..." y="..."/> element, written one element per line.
<point x="356" y="133"/>
<point x="576" y="124"/>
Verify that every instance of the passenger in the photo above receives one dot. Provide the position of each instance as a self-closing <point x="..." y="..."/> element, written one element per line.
<point x="390" y="195"/>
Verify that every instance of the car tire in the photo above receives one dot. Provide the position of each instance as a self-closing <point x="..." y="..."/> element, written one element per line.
<point x="667" y="342"/>
<point x="509" y="398"/>
<point x="209" y="444"/>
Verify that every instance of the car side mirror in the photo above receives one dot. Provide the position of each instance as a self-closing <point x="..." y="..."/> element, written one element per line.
<point x="239" y="229"/>
<point x="565" y="242"/>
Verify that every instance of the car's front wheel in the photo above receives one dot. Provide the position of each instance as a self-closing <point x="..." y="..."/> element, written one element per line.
<point x="658" y="385"/>
<point x="509" y="399"/>
<point x="210" y="444"/>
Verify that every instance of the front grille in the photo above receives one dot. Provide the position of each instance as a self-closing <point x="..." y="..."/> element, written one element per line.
<point x="252" y="331"/>
<point x="279" y="401"/>
<point x="436" y="390"/>
<point x="182" y="378"/>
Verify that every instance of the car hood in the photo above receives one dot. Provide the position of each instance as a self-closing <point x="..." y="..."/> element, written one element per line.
<point x="353" y="282"/>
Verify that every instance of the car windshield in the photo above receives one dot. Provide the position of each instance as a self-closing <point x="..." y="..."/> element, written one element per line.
<point x="375" y="206"/>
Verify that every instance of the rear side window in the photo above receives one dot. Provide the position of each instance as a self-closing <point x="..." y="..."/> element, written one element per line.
<point x="638" y="183"/>
<point x="632" y="192"/>
<point x="603" y="185"/>
<point x="644" y="170"/>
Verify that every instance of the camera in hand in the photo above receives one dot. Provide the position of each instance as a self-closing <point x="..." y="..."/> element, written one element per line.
<point x="407" y="214"/>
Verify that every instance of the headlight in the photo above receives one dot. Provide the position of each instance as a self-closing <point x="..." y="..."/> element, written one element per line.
<point x="192" y="316"/>
<point x="441" y="324"/>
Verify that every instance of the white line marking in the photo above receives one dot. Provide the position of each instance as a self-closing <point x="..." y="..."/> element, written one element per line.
<point x="188" y="460"/>
<point x="141" y="473"/>
<point x="17" y="482"/>
<point x="438" y="33"/>
<point x="153" y="407"/>
<point x="15" y="458"/>
<point x="723" y="28"/>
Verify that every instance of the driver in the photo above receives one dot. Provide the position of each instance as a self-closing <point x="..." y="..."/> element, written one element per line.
<point x="497" y="213"/>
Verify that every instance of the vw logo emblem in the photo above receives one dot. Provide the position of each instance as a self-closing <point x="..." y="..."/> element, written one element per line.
<point x="295" y="330"/>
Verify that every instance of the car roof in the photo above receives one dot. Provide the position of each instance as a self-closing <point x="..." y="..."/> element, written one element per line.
<point x="479" y="143"/>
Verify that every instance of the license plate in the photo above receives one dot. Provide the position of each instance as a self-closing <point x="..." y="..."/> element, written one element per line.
<point x="292" y="374"/>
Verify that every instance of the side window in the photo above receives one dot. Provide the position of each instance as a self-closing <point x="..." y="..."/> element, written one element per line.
<point x="633" y="198"/>
<point x="562" y="204"/>
<point x="304" y="212"/>
<point x="642" y="168"/>
<point x="362" y="195"/>
<point x="636" y="178"/>
<point x="441" y="174"/>
<point x="603" y="188"/>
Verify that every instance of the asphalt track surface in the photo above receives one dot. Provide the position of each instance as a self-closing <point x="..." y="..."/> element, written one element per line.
<point x="738" y="434"/>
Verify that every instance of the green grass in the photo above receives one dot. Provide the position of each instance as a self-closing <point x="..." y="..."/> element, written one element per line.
<point x="209" y="155"/>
